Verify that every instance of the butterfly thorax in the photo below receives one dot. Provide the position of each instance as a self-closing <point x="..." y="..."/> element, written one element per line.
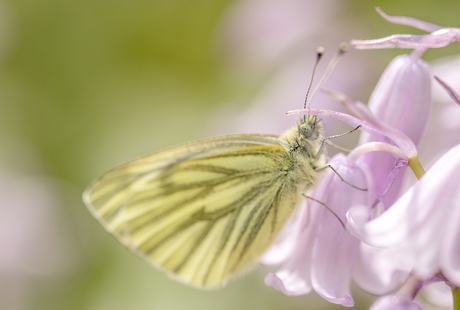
<point x="304" y="142"/>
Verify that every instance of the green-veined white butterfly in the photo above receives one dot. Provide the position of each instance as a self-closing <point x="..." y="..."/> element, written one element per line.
<point x="207" y="210"/>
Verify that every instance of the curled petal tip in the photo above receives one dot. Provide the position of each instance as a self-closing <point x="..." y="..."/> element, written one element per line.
<point x="438" y="37"/>
<point x="346" y="301"/>
<point x="409" y="21"/>
<point x="272" y="280"/>
<point x="288" y="283"/>
<point x="450" y="91"/>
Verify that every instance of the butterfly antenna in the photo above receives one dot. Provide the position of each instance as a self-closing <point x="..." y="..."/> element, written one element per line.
<point x="343" y="47"/>
<point x="319" y="54"/>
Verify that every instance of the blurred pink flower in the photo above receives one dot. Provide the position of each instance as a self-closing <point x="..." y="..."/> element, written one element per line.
<point x="273" y="43"/>
<point x="34" y="248"/>
<point x="259" y="33"/>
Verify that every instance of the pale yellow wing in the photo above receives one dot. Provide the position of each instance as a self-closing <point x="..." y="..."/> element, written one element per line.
<point x="204" y="211"/>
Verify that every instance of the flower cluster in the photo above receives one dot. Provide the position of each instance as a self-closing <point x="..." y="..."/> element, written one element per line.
<point x="395" y="237"/>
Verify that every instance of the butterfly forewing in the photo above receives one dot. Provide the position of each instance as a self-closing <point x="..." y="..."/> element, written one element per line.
<point x="204" y="211"/>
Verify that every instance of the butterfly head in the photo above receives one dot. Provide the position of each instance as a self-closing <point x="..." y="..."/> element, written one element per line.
<point x="309" y="128"/>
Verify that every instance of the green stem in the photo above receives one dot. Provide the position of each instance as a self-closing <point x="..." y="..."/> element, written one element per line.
<point x="456" y="296"/>
<point x="416" y="167"/>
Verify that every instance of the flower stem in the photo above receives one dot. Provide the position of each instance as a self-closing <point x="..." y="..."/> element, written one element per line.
<point x="416" y="167"/>
<point x="456" y="296"/>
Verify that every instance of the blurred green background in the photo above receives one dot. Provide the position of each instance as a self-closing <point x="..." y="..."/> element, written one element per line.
<point x="86" y="85"/>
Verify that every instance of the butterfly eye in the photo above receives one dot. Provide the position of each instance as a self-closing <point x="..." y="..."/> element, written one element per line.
<point x="306" y="130"/>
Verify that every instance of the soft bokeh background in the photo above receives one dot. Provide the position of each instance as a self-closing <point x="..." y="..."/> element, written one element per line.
<point x="85" y="85"/>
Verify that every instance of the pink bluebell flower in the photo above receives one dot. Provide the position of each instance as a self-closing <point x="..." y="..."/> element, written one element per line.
<point x="328" y="258"/>
<point x="325" y="254"/>
<point x="419" y="233"/>
<point x="439" y="36"/>
<point x="421" y="229"/>
<point x="400" y="108"/>
<point x="380" y="251"/>
<point x="401" y="99"/>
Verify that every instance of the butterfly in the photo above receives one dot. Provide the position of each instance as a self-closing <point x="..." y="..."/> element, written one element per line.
<point x="206" y="211"/>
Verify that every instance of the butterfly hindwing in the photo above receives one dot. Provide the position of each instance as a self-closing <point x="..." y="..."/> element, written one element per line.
<point x="204" y="211"/>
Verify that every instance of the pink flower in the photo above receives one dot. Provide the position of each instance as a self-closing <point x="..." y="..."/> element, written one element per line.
<point x="35" y="250"/>
<point x="439" y="36"/>
<point x="380" y="251"/>
<point x="421" y="229"/>
<point x="325" y="254"/>
<point x="326" y="257"/>
<point x="418" y="233"/>
<point x="401" y="99"/>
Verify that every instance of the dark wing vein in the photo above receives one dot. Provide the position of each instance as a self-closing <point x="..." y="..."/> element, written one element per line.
<point x="236" y="204"/>
<point x="258" y="224"/>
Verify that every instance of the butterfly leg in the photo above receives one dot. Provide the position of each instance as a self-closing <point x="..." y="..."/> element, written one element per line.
<point x="322" y="203"/>
<point x="341" y="178"/>
<point x="320" y="150"/>
<point x="338" y="147"/>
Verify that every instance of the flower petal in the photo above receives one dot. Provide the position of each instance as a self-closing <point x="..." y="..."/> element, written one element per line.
<point x="374" y="128"/>
<point x="401" y="99"/>
<point x="335" y="250"/>
<point x="281" y="250"/>
<point x="439" y="294"/>
<point x="440" y="38"/>
<point x="394" y="302"/>
<point x="294" y="276"/>
<point x="409" y="21"/>
<point x="455" y="97"/>
<point x="418" y="224"/>
<point x="450" y="251"/>
<point x="375" y="273"/>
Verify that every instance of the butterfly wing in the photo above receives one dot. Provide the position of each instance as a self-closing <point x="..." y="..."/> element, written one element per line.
<point x="204" y="211"/>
